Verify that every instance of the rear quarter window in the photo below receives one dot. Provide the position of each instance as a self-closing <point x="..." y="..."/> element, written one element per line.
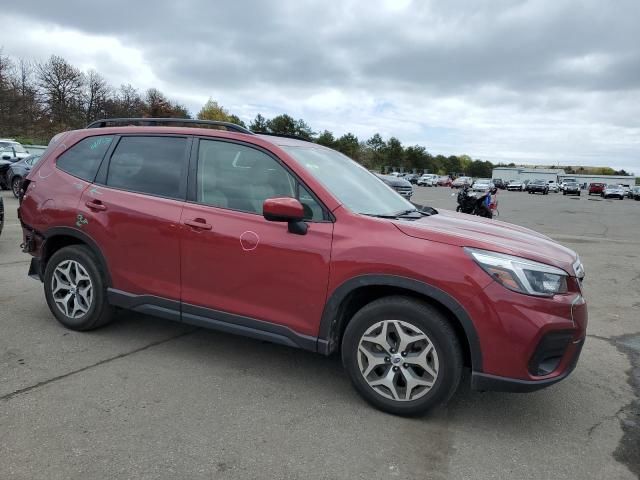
<point x="83" y="159"/>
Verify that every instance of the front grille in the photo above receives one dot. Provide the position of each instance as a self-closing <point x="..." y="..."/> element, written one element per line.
<point x="404" y="190"/>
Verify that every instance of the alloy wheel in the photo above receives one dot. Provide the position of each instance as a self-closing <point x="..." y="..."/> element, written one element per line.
<point x="71" y="289"/>
<point x="398" y="360"/>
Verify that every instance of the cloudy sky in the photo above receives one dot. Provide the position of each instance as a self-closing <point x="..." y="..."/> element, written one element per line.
<point x="548" y="81"/>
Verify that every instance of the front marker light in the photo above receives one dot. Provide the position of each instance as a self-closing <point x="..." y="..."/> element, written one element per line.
<point x="520" y="274"/>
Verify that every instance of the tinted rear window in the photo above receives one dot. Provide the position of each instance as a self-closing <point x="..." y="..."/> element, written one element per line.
<point x="153" y="165"/>
<point x="83" y="159"/>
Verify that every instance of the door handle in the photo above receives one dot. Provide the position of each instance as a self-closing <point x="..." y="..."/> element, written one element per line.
<point x="199" y="223"/>
<point x="96" y="205"/>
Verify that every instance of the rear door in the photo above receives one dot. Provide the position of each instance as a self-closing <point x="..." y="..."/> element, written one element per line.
<point x="236" y="262"/>
<point x="133" y="212"/>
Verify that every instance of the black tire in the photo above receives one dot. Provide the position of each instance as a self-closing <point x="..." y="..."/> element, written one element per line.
<point x="430" y="321"/>
<point x="100" y="312"/>
<point x="564" y="193"/>
<point x="16" y="184"/>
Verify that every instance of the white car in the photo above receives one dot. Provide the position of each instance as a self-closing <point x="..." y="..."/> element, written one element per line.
<point x="615" y="191"/>
<point x="514" y="185"/>
<point x="553" y="186"/>
<point x="428" y="180"/>
<point x="461" y="182"/>
<point x="627" y="189"/>
<point x="12" y="150"/>
<point x="482" y="185"/>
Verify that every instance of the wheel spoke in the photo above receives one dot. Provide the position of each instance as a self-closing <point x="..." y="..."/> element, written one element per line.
<point x="387" y="381"/>
<point x="421" y="360"/>
<point x="412" y="380"/>
<point x="382" y="338"/>
<point x="404" y="339"/>
<point x="373" y="360"/>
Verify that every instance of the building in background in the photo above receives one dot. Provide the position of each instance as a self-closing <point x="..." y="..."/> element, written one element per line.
<point x="558" y="175"/>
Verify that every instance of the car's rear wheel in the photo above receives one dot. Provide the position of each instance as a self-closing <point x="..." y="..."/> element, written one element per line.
<point x="402" y="355"/>
<point x="16" y="183"/>
<point x="75" y="290"/>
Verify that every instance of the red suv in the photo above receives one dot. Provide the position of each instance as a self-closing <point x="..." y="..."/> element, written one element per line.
<point x="288" y="241"/>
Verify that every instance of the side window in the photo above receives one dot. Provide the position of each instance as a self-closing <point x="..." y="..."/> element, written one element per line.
<point x="83" y="159"/>
<point x="242" y="178"/>
<point x="153" y="165"/>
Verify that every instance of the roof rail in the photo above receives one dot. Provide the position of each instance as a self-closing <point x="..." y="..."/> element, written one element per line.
<point x="284" y="135"/>
<point x="112" y="122"/>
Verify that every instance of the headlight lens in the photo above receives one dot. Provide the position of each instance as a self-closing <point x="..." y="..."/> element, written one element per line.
<point x="520" y="274"/>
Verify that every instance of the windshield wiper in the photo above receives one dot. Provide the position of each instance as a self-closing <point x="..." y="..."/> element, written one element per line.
<point x="379" y="215"/>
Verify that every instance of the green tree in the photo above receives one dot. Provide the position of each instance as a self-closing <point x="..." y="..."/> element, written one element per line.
<point x="349" y="145"/>
<point x="394" y="152"/>
<point x="235" y="119"/>
<point x="213" y="111"/>
<point x="259" y="124"/>
<point x="376" y="146"/>
<point x="326" y="138"/>
<point x="282" y="125"/>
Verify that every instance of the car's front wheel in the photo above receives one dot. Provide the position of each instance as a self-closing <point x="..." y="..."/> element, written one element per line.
<point x="75" y="290"/>
<point x="402" y="355"/>
<point x="16" y="183"/>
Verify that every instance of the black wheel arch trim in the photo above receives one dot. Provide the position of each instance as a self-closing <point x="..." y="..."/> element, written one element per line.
<point x="84" y="238"/>
<point x="328" y="332"/>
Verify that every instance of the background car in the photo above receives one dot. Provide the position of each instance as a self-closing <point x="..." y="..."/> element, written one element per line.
<point x="19" y="170"/>
<point x="400" y="185"/>
<point x="565" y="181"/>
<point x="571" y="188"/>
<point x="461" y="182"/>
<point x="12" y="150"/>
<point x="428" y="180"/>
<point x="514" y="186"/>
<point x="410" y="177"/>
<point x="499" y="183"/>
<point x="538" y="186"/>
<point x="444" y="181"/>
<point x="626" y="188"/>
<point x="482" y="185"/>
<point x="553" y="186"/>
<point x="614" y="191"/>
<point x="635" y="192"/>
<point x="596" y="188"/>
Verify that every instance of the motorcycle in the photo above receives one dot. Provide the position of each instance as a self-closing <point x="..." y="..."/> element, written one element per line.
<point x="481" y="205"/>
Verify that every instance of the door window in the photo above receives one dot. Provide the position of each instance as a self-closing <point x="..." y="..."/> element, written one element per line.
<point x="153" y="165"/>
<point x="83" y="159"/>
<point x="241" y="178"/>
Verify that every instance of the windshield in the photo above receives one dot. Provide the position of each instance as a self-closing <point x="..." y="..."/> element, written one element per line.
<point x="12" y="146"/>
<point x="615" y="187"/>
<point x="353" y="185"/>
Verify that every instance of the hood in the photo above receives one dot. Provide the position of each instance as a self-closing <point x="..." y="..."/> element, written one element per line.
<point x="394" y="181"/>
<point x="471" y="231"/>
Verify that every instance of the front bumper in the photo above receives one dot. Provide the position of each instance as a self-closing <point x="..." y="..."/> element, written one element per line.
<point x="487" y="382"/>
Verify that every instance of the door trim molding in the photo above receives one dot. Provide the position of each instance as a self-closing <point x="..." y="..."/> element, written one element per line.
<point x="211" y="319"/>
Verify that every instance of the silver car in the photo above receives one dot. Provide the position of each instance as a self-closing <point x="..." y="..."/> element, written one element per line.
<point x="614" y="191"/>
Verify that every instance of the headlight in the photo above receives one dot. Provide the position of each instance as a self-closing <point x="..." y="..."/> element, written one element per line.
<point x="520" y="274"/>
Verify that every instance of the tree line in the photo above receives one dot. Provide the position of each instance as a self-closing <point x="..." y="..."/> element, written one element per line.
<point x="40" y="99"/>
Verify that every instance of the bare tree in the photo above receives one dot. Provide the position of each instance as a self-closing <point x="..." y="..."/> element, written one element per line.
<point x="95" y="96"/>
<point x="61" y="85"/>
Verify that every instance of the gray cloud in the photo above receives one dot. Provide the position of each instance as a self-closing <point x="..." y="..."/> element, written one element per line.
<point x="503" y="78"/>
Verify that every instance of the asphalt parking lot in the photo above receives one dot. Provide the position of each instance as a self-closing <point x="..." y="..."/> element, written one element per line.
<point x="146" y="398"/>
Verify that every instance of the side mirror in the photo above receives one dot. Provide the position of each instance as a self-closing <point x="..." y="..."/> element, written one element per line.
<point x="285" y="209"/>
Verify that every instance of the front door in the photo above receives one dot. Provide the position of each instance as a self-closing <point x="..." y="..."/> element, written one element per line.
<point x="236" y="262"/>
